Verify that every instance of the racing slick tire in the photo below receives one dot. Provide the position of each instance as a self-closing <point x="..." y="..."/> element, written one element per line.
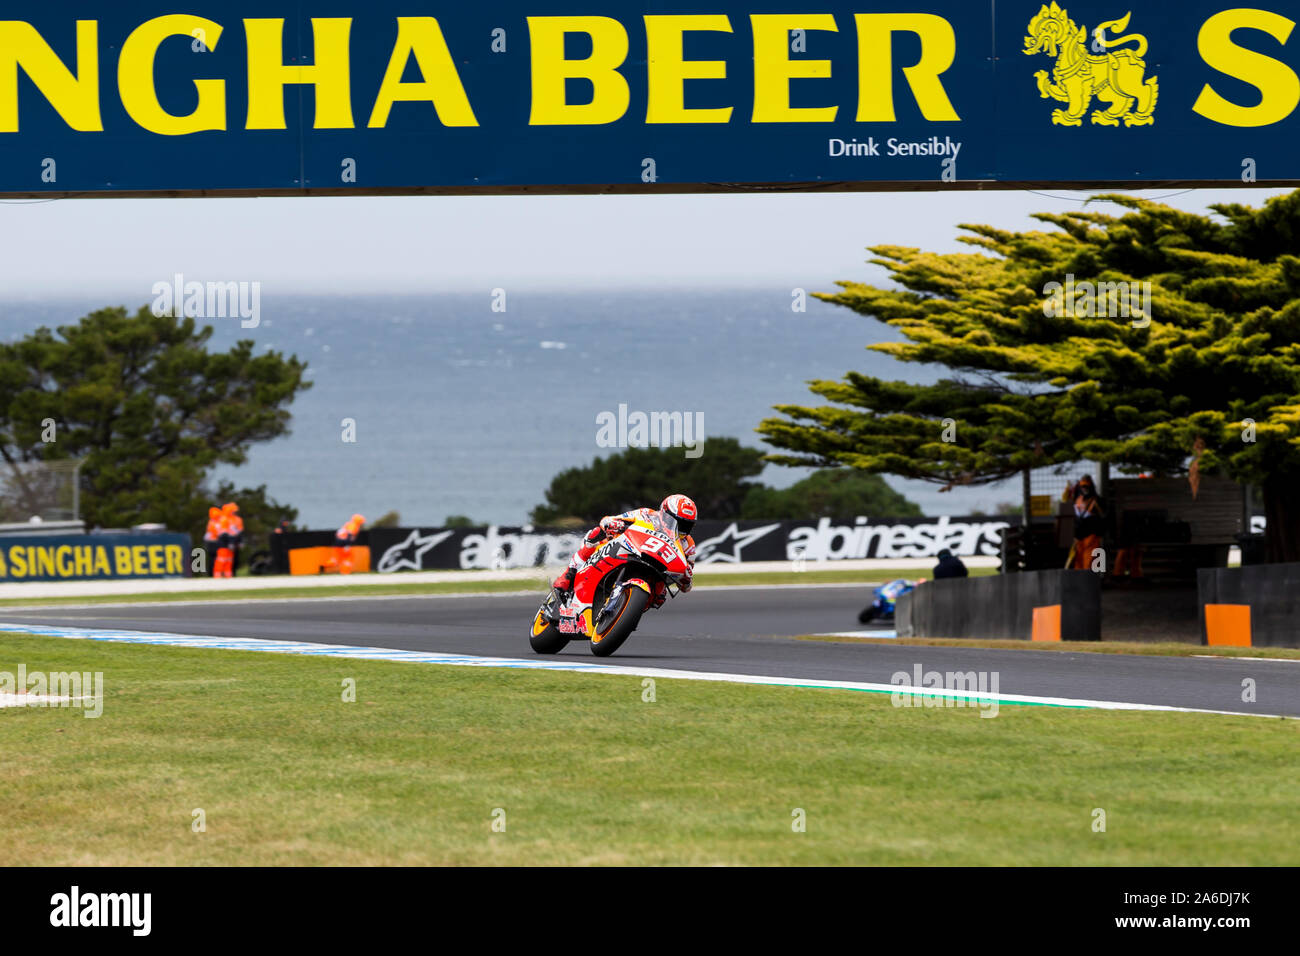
<point x="543" y="635"/>
<point x="619" y="620"/>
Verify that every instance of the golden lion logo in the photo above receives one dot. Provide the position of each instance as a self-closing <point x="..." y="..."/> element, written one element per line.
<point x="1116" y="78"/>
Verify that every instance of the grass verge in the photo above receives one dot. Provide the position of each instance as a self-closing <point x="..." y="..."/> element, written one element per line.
<point x="586" y="771"/>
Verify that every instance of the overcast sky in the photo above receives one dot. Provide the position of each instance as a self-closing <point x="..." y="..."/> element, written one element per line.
<point x="428" y="243"/>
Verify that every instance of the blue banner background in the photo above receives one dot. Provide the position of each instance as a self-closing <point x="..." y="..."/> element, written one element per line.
<point x="87" y="557"/>
<point x="1006" y="130"/>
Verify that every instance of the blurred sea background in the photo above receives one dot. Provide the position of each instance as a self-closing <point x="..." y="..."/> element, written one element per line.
<point x="463" y="410"/>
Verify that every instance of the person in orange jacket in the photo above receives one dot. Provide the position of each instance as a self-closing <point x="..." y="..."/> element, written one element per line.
<point x="344" y="539"/>
<point x="230" y="538"/>
<point x="210" y="537"/>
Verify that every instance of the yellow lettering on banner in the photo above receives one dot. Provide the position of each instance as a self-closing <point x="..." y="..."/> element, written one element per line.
<point x="422" y="38"/>
<point x="63" y="557"/>
<point x="101" y="562"/>
<point x="1277" y="83"/>
<point x="773" y="68"/>
<point x="155" y="559"/>
<point x="135" y="77"/>
<point x="18" y="559"/>
<point x="122" y="560"/>
<point x="75" y="97"/>
<point x="609" y="46"/>
<point x="85" y="560"/>
<point x="45" y="563"/>
<point x="175" y="559"/>
<point x="4" y="569"/>
<point x="140" y="560"/>
<point x="268" y="75"/>
<point x="876" y="65"/>
<point x="668" y="70"/>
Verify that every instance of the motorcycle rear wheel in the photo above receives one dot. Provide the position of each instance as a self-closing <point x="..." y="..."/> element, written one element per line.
<point x="544" y="636"/>
<point x="619" y="622"/>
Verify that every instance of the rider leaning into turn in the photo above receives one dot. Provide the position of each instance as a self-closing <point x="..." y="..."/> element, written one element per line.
<point x="677" y="514"/>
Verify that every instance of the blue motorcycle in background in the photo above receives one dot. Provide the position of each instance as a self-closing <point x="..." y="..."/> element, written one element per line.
<point x="883" y="601"/>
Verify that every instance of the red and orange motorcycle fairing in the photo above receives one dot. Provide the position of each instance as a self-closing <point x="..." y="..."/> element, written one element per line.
<point x="641" y="543"/>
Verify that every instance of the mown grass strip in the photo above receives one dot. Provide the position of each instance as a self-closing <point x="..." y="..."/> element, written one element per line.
<point x="601" y="769"/>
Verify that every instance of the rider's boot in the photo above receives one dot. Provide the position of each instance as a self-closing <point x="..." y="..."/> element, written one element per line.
<point x="565" y="581"/>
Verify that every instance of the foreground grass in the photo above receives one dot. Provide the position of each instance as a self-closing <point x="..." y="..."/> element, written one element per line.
<point x="470" y="585"/>
<point x="1153" y="648"/>
<point x="587" y="772"/>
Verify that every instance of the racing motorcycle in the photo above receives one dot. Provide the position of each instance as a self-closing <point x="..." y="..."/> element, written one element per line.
<point x="884" y="601"/>
<point x="612" y="590"/>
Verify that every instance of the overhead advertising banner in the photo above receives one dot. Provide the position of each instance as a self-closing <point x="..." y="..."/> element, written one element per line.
<point x="312" y="96"/>
<point x="717" y="543"/>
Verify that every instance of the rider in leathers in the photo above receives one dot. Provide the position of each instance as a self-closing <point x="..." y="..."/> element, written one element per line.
<point x="676" y="514"/>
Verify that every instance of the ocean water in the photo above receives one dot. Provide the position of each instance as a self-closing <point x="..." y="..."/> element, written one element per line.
<point x="460" y="409"/>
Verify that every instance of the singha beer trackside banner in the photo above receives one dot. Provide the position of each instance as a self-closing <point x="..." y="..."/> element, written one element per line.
<point x="86" y="557"/>
<point x="282" y="96"/>
<point x="718" y="542"/>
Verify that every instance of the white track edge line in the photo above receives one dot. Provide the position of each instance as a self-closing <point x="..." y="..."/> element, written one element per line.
<point x="468" y="660"/>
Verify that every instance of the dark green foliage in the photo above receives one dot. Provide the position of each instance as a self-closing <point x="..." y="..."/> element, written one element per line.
<point x="641" y="477"/>
<point x="1221" y="351"/>
<point x="829" y="493"/>
<point x="718" y="481"/>
<point x="149" y="409"/>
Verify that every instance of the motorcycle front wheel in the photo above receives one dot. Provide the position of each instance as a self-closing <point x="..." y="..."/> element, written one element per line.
<point x="544" y="636"/>
<point x="618" y="621"/>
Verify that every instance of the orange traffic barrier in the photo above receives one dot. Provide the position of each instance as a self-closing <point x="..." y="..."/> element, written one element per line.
<point x="321" y="560"/>
<point x="1047" y="623"/>
<point x="1227" y="625"/>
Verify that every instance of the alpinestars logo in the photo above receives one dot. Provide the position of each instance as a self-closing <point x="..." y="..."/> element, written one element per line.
<point x="727" y="547"/>
<point x="410" y="553"/>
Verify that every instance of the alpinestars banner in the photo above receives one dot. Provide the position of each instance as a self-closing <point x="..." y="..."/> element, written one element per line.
<point x="718" y="542"/>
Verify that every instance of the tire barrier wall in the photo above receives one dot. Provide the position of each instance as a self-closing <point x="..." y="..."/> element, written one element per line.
<point x="1256" y="606"/>
<point x="1033" y="605"/>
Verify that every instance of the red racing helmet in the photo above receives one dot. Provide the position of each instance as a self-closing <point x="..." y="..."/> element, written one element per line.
<point x="678" y="513"/>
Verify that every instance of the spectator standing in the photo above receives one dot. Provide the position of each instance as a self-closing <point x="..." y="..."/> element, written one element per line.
<point x="344" y="539"/>
<point x="950" y="566"/>
<point x="235" y="534"/>
<point x="210" y="537"/>
<point x="1089" y="522"/>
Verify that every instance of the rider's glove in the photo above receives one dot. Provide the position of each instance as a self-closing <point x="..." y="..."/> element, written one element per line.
<point x="613" y="526"/>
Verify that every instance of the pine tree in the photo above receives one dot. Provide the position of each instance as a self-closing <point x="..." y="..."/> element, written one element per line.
<point x="1208" y="372"/>
<point x="149" y="410"/>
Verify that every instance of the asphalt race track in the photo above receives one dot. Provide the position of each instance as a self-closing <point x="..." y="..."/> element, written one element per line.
<point x="730" y="630"/>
